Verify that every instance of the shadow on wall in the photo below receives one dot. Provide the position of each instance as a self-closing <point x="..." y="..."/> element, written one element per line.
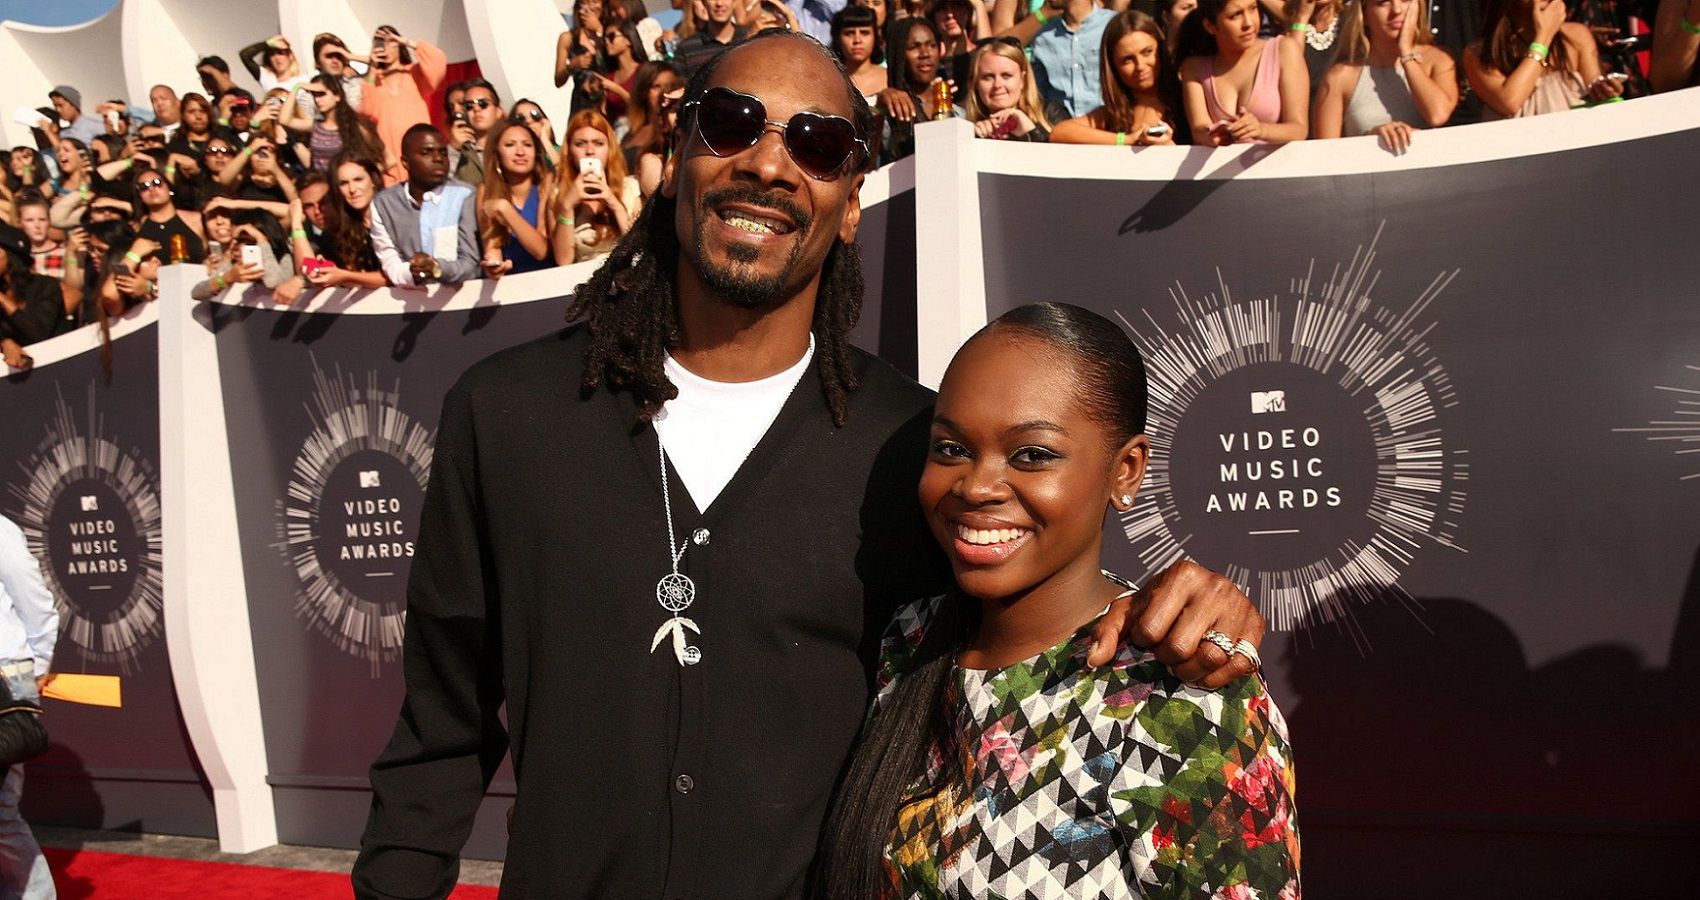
<point x="1441" y="765"/>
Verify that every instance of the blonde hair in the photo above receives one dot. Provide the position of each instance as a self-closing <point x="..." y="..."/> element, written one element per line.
<point x="1354" y="31"/>
<point x="1029" y="102"/>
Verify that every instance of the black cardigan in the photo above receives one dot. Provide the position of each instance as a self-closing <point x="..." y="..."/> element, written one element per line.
<point x="540" y="545"/>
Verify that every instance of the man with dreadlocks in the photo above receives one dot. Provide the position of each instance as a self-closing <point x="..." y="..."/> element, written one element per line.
<point x="667" y="538"/>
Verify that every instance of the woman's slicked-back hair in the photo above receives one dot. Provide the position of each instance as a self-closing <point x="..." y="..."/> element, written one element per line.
<point x="1111" y="378"/>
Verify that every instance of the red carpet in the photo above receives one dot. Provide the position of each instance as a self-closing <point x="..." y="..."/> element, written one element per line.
<point x="81" y="874"/>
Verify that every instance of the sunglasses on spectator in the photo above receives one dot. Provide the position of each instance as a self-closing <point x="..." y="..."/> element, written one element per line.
<point x="480" y="103"/>
<point x="219" y="151"/>
<point x="535" y="115"/>
<point x="150" y="184"/>
<point x="730" y="122"/>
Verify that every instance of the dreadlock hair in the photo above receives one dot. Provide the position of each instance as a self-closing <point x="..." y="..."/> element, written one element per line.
<point x="628" y="305"/>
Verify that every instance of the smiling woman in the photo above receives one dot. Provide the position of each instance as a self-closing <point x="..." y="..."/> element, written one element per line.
<point x="998" y="761"/>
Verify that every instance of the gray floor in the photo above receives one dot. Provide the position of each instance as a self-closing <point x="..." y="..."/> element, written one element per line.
<point x="282" y="856"/>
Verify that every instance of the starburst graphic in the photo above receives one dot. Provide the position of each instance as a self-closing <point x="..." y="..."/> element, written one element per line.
<point x="89" y="510"/>
<point x="346" y="524"/>
<point x="1365" y="366"/>
<point x="1683" y="434"/>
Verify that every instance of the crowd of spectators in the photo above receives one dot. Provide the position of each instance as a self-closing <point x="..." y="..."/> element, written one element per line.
<point x="337" y="176"/>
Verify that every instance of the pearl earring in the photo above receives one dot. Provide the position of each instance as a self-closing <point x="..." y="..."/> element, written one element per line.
<point x="1127" y="500"/>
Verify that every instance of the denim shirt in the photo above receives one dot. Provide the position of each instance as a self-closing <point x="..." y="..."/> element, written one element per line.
<point x="1066" y="62"/>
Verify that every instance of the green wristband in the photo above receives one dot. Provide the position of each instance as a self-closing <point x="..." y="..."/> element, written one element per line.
<point x="299" y="233"/>
<point x="1688" y="26"/>
<point x="1539" y="49"/>
<point x="1121" y="139"/>
<point x="1301" y="26"/>
<point x="132" y="257"/>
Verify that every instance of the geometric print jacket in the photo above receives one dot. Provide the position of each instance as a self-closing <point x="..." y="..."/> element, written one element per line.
<point x="1059" y="779"/>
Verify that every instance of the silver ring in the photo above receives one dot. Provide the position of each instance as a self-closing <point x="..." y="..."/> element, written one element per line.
<point x="1248" y="650"/>
<point x="1220" y="640"/>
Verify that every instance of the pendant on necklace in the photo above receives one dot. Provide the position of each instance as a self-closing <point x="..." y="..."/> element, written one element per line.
<point x="675" y="592"/>
<point x="686" y="654"/>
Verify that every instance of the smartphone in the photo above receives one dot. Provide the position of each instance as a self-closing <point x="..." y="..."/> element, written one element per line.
<point x="215" y="250"/>
<point x="1158" y="130"/>
<point x="112" y="119"/>
<point x="313" y="264"/>
<point x="250" y="254"/>
<point x="590" y="164"/>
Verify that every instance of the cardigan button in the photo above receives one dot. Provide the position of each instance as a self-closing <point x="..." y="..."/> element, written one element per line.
<point x="684" y="783"/>
<point x="700" y="537"/>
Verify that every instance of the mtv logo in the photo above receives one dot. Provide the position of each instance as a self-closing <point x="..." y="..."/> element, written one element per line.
<point x="1268" y="402"/>
<point x="369" y="478"/>
<point x="90" y="503"/>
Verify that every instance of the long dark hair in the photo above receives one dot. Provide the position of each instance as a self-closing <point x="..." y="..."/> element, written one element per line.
<point x="891" y="753"/>
<point x="348" y="238"/>
<point x="1119" y="99"/>
<point x="1194" y="39"/>
<point x="629" y="304"/>
<point x="897" y="49"/>
<point x="357" y="136"/>
<point x="637" y="111"/>
<point x="1505" y="42"/>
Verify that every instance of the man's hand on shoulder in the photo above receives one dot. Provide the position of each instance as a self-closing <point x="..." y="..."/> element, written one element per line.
<point x="1170" y="615"/>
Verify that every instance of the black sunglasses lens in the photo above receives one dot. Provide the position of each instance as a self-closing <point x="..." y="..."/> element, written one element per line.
<point x="819" y="144"/>
<point x="729" y="121"/>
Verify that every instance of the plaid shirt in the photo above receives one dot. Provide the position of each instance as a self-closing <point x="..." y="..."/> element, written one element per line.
<point x="50" y="262"/>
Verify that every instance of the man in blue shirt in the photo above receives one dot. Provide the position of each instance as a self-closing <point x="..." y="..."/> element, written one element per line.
<point x="68" y="103"/>
<point x="1065" y="56"/>
<point x="426" y="228"/>
<point x="29" y="628"/>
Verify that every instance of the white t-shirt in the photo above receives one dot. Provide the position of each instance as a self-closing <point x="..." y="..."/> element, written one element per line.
<point x="711" y="427"/>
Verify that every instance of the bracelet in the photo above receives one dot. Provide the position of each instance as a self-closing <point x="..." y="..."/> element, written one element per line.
<point x="563" y="220"/>
<point x="218" y="282"/>
<point x="132" y="257"/>
<point x="1121" y="139"/>
<point x="1538" y="50"/>
<point x="1413" y="56"/>
<point x="1688" y="26"/>
<point x="171" y="171"/>
<point x="299" y="233"/>
<point x="1301" y="27"/>
<point x="1040" y="15"/>
<point x="1537" y="58"/>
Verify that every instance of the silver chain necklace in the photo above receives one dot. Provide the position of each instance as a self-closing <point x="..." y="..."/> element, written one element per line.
<point x="675" y="591"/>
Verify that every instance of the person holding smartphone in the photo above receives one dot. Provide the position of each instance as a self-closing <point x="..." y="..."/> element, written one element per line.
<point x="595" y="201"/>
<point x="1142" y="105"/>
<point x="403" y="73"/>
<point x="1530" y="61"/>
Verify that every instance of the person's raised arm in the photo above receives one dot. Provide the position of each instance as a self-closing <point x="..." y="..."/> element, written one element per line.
<point x="1676" y="44"/>
<point x="448" y="740"/>
<point x="253" y="56"/>
<point x="1506" y="93"/>
<point x="1434" y="83"/>
<point x="238" y="164"/>
<point x="563" y="58"/>
<point x="68" y="209"/>
<point x="430" y="63"/>
<point x="1084" y="130"/>
<point x="1028" y="28"/>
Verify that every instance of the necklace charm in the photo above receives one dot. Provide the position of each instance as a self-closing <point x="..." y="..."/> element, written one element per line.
<point x="675" y="592"/>
<point x="686" y="654"/>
